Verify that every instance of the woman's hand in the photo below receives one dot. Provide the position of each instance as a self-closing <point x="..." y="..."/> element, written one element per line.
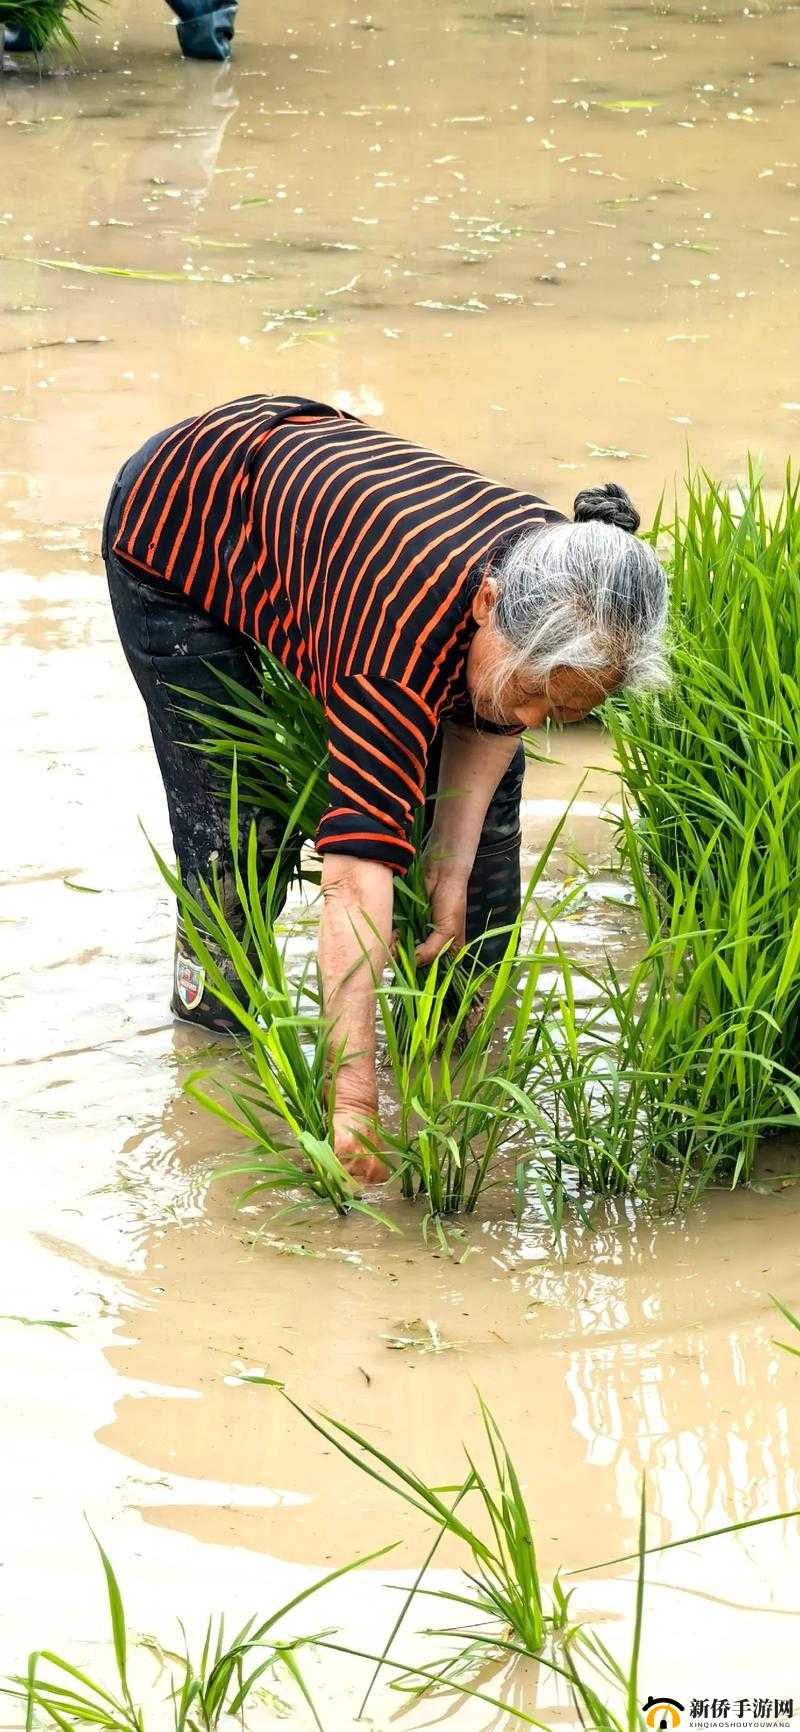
<point x="446" y="883"/>
<point x="356" y="1140"/>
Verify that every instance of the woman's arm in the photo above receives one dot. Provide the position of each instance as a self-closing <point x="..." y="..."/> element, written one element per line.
<point x="354" y="940"/>
<point x="356" y="928"/>
<point x="472" y="764"/>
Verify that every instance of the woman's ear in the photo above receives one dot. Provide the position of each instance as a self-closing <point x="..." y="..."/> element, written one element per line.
<point x="484" y="600"/>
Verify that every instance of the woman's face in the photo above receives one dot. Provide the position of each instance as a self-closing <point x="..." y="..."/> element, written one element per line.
<point x="571" y="694"/>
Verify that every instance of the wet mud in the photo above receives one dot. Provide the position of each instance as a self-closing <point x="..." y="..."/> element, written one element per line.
<point x="529" y="237"/>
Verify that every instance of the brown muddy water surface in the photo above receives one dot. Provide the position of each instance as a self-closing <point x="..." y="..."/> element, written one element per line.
<point x="525" y="236"/>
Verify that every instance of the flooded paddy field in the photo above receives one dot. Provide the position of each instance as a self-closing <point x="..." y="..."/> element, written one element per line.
<point x="532" y="238"/>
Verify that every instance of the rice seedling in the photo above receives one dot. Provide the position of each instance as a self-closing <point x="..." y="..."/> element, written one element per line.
<point x="465" y="1102"/>
<point x="462" y="1042"/>
<point x="670" y="1079"/>
<point x="507" y="1612"/>
<point x="628" y="1088"/>
<point x="46" y="23"/>
<point x="218" y="1684"/>
<point x="510" y="1614"/>
<point x="502" y="1583"/>
<point x="142" y="276"/>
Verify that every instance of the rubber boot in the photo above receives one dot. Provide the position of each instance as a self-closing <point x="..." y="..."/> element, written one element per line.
<point x="192" y="998"/>
<point x="205" y="31"/>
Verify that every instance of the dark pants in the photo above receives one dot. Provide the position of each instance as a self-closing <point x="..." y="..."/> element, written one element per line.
<point x="205" y="30"/>
<point x="169" y="642"/>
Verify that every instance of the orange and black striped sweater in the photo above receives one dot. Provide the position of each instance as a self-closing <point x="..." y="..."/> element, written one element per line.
<point x="354" y="557"/>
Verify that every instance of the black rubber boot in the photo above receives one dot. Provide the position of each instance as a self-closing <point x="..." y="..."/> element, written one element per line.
<point x="205" y="30"/>
<point x="192" y="998"/>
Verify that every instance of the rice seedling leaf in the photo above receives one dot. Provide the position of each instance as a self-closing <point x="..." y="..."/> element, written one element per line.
<point x="117" y="1615"/>
<point x="690" y="1540"/>
<point x="143" y="276"/>
<point x="36" y="1322"/>
<point x="427" y="1672"/>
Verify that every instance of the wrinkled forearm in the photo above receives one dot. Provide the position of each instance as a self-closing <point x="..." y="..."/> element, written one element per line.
<point x="472" y="764"/>
<point x="354" y="940"/>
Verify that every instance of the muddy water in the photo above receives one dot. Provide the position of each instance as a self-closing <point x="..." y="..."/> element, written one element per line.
<point x="448" y="219"/>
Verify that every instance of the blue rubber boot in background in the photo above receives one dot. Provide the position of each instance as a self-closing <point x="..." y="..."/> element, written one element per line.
<point x="205" y="30"/>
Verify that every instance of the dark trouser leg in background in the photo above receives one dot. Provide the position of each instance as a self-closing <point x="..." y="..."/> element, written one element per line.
<point x="494" y="893"/>
<point x="205" y="29"/>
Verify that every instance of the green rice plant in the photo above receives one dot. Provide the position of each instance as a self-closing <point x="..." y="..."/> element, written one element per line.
<point x="629" y="1089"/>
<point x="47" y="23"/>
<point x="712" y="833"/>
<point x="286" y="1084"/>
<point x="462" y="1041"/>
<point x="506" y="1611"/>
<point x="503" y="1583"/>
<point x="217" y="1685"/>
<point x="520" y="1617"/>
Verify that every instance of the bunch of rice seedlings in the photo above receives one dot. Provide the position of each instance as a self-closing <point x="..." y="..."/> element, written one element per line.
<point x="286" y="1085"/>
<point x="502" y="1582"/>
<point x="202" y="1692"/>
<point x="463" y="1044"/>
<point x="506" y="1612"/>
<point x="713" y="772"/>
<point x="47" y="23"/>
<point x="629" y="1087"/>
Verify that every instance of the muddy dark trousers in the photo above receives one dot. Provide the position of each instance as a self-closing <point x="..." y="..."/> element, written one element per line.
<point x="205" y="30"/>
<point x="168" y="642"/>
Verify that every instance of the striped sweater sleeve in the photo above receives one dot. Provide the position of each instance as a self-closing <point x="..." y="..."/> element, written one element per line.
<point x="379" y="736"/>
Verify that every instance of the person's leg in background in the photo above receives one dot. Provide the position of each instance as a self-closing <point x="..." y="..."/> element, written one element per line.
<point x="205" y="29"/>
<point x="494" y="893"/>
<point x="168" y="642"/>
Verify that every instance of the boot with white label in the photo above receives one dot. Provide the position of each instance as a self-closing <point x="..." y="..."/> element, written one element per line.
<point x="192" y="998"/>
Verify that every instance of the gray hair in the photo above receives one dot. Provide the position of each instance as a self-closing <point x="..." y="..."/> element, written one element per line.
<point x="585" y="595"/>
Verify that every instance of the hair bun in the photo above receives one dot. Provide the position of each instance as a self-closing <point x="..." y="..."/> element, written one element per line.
<point x="608" y="503"/>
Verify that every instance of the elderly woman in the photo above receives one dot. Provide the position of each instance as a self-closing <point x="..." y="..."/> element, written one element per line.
<point x="435" y="615"/>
